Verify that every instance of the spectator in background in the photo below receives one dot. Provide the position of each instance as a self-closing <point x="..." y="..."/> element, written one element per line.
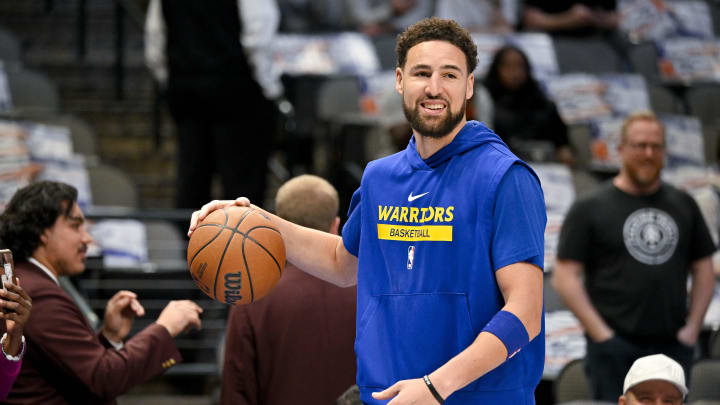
<point x="296" y="344"/>
<point x="523" y="116"/>
<point x="213" y="60"/>
<point x="570" y="17"/>
<point x="16" y="306"/>
<point x="376" y="17"/>
<point x="654" y="379"/>
<point x="68" y="362"/>
<point x="312" y="16"/>
<point x="635" y="241"/>
<point x="488" y="16"/>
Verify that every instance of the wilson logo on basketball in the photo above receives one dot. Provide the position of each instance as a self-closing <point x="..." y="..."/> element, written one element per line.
<point x="233" y="286"/>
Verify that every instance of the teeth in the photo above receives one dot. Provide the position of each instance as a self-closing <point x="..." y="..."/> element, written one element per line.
<point x="434" y="106"/>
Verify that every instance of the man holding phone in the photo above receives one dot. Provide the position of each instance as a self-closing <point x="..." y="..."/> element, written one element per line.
<point x="69" y="362"/>
<point x="15" y="305"/>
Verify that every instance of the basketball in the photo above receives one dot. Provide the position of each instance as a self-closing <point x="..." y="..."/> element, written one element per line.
<point x="236" y="255"/>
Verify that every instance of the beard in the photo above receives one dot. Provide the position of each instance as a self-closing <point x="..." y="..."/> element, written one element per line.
<point x="643" y="177"/>
<point x="429" y="129"/>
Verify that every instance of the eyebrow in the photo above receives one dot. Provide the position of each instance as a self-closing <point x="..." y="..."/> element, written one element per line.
<point x="423" y="67"/>
<point x="79" y="219"/>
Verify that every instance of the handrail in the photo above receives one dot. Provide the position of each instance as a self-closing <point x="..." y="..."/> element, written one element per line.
<point x="116" y="212"/>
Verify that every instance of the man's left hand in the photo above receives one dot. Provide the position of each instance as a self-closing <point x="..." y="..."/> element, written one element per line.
<point x="120" y="312"/>
<point x="407" y="392"/>
<point x="688" y="335"/>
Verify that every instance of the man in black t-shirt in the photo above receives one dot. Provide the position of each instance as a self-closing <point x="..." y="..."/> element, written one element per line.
<point x="570" y="18"/>
<point x="635" y="240"/>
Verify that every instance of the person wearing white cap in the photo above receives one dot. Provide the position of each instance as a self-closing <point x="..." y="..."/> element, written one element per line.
<point x="655" y="379"/>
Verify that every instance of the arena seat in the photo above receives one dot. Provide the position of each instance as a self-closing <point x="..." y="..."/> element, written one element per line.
<point x="32" y="92"/>
<point x="385" y="49"/>
<point x="587" y="55"/>
<point x="571" y="383"/>
<point x="703" y="101"/>
<point x="663" y="101"/>
<point x="704" y="379"/>
<point x="111" y="186"/>
<point x="644" y="60"/>
<point x="10" y="50"/>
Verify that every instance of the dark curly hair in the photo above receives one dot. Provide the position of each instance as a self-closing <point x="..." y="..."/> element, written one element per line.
<point x="32" y="210"/>
<point x="436" y="29"/>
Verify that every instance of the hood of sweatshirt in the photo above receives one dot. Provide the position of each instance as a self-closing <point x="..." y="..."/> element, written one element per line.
<point x="471" y="136"/>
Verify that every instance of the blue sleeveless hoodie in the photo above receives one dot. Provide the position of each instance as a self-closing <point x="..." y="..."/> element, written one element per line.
<point x="425" y="235"/>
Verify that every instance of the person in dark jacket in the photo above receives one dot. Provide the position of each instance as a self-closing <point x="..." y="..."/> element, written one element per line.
<point x="524" y="117"/>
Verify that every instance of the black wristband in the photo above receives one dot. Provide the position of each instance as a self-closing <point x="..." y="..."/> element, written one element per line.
<point x="432" y="389"/>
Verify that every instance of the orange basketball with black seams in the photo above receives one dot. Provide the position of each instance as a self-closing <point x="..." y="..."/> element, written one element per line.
<point x="236" y="255"/>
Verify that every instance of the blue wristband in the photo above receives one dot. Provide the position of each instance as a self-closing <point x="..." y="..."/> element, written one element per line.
<point x="510" y="330"/>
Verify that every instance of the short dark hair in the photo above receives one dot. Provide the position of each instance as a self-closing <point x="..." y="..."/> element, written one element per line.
<point x="32" y="210"/>
<point x="437" y="29"/>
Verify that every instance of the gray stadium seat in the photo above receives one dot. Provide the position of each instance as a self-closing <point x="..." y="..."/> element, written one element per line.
<point x="112" y="187"/>
<point x="644" y="60"/>
<point x="10" y="50"/>
<point x="715" y="14"/>
<point x="586" y="55"/>
<point x="571" y="383"/>
<point x="552" y="300"/>
<point x="32" y="92"/>
<point x="385" y="49"/>
<point x="166" y="245"/>
<point x="710" y="141"/>
<point x="703" y="102"/>
<point x="704" y="379"/>
<point x="715" y="345"/>
<point x="579" y="137"/>
<point x="337" y="96"/>
<point x="337" y="99"/>
<point x="663" y="101"/>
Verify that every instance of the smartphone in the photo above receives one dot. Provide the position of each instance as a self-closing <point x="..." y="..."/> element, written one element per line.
<point x="8" y="267"/>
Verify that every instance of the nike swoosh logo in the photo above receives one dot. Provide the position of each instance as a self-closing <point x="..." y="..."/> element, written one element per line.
<point x="412" y="198"/>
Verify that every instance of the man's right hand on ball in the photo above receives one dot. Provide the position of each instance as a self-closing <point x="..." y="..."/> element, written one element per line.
<point x="206" y="209"/>
<point x="180" y="316"/>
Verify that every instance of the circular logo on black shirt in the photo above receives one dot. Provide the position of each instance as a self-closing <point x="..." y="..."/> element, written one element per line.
<point x="650" y="235"/>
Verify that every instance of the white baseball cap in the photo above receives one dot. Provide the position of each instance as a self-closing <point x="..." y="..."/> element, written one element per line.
<point x="656" y="367"/>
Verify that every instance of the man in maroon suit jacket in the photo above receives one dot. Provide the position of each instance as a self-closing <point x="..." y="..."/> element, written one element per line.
<point x="295" y="346"/>
<point x="66" y="362"/>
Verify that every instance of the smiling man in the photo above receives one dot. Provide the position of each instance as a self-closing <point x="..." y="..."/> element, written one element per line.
<point x="635" y="240"/>
<point x="445" y="242"/>
<point x="654" y="380"/>
<point x="66" y="361"/>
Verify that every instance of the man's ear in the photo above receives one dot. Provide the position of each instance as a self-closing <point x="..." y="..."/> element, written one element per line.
<point x="398" y="80"/>
<point x="470" y="86"/>
<point x="44" y="237"/>
<point x="335" y="227"/>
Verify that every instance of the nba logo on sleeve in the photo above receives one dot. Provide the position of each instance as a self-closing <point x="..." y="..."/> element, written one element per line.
<point x="411" y="257"/>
